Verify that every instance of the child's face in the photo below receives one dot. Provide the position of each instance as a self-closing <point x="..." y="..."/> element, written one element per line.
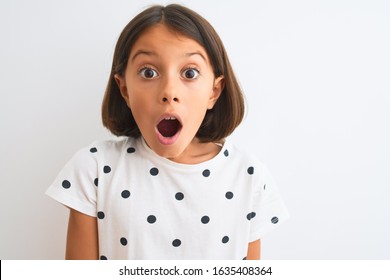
<point x="169" y="85"/>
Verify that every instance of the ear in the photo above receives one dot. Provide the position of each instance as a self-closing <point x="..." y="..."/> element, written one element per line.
<point x="219" y="84"/>
<point x="122" y="87"/>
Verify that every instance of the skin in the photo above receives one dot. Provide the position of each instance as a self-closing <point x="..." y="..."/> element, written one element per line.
<point x="168" y="57"/>
<point x="167" y="75"/>
<point x="82" y="239"/>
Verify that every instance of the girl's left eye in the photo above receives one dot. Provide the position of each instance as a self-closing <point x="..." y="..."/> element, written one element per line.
<point x="190" y="74"/>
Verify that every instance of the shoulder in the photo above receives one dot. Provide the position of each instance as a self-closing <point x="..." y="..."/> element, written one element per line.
<point x="111" y="145"/>
<point x="243" y="156"/>
<point x="247" y="162"/>
<point x="108" y="147"/>
<point x="102" y="149"/>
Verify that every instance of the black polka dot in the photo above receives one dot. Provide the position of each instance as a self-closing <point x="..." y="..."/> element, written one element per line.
<point x="93" y="150"/>
<point x="176" y="243"/>
<point x="123" y="241"/>
<point x="206" y="173"/>
<point x="251" y="215"/>
<point x="265" y="186"/>
<point x="151" y="219"/>
<point x="205" y="219"/>
<point x="251" y="170"/>
<point x="66" y="184"/>
<point x="275" y="220"/>
<point x="154" y="171"/>
<point x="125" y="194"/>
<point x="96" y="181"/>
<point x="226" y="153"/>
<point x="229" y="195"/>
<point x="179" y="196"/>
<point x="106" y="169"/>
<point x="103" y="258"/>
<point x="225" y="239"/>
<point x="244" y="259"/>
<point x="130" y="150"/>
<point x="100" y="215"/>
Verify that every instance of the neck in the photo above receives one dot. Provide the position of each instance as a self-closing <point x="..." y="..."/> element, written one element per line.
<point x="197" y="152"/>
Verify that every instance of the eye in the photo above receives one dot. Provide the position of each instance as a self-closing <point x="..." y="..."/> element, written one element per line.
<point x="190" y="74"/>
<point x="148" y="73"/>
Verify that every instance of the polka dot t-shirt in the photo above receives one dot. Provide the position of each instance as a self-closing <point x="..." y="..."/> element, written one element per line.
<point x="149" y="207"/>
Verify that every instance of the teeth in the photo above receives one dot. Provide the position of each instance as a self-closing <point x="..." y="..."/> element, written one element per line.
<point x="170" y="118"/>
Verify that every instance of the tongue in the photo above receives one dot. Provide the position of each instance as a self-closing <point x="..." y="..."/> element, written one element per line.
<point x="168" y="128"/>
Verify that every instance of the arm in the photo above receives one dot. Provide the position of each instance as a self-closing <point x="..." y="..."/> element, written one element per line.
<point x="82" y="239"/>
<point x="254" y="250"/>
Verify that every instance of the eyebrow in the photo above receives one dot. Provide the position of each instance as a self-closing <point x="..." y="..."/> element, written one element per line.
<point x="139" y="52"/>
<point x="149" y="53"/>
<point x="196" y="53"/>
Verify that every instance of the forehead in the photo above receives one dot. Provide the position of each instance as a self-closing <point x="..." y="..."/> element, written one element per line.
<point x="160" y="38"/>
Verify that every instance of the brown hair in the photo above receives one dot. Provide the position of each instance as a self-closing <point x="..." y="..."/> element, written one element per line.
<point x="228" y="111"/>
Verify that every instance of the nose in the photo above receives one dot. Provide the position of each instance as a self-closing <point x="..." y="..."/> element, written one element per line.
<point x="169" y="100"/>
<point x="170" y="90"/>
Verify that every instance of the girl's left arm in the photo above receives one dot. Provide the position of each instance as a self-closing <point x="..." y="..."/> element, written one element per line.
<point x="254" y="250"/>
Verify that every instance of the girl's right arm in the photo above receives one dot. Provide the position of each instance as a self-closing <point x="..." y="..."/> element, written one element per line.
<point x="82" y="239"/>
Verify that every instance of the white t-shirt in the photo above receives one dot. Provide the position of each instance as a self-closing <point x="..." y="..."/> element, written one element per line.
<point x="149" y="207"/>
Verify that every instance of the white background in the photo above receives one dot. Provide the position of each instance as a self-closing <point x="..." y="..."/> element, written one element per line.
<point x="316" y="75"/>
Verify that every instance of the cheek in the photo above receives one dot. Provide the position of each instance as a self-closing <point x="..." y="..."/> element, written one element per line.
<point x="137" y="96"/>
<point x="137" y="104"/>
<point x="198" y="107"/>
<point x="202" y="99"/>
<point x="134" y="89"/>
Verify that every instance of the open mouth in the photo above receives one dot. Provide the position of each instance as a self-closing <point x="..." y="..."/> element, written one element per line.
<point x="169" y="127"/>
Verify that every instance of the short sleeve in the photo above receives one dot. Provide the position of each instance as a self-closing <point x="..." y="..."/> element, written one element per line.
<point x="268" y="208"/>
<point x="76" y="184"/>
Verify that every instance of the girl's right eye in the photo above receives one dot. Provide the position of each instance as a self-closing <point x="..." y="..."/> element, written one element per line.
<point x="148" y="73"/>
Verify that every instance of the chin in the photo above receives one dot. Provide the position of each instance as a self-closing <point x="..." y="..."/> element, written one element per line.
<point x="168" y="152"/>
<point x="171" y="149"/>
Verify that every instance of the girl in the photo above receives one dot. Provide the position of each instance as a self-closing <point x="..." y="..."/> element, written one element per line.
<point x="173" y="187"/>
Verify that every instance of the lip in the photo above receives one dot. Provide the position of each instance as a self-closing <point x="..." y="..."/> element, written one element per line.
<point x="168" y="140"/>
